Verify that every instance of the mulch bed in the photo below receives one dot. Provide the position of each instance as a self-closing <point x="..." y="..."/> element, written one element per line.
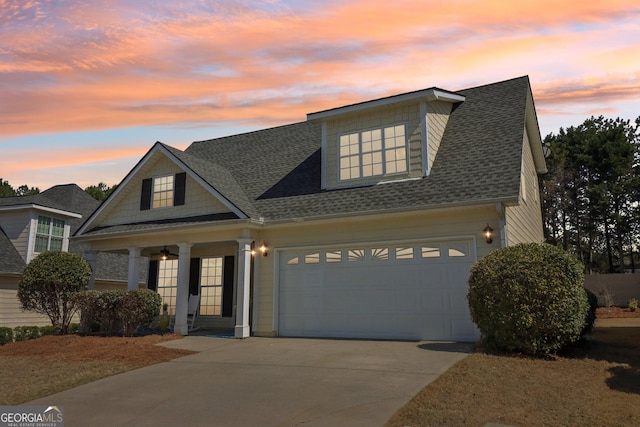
<point x="132" y="351"/>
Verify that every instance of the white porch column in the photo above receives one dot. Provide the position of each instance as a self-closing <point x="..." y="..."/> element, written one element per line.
<point x="242" y="329"/>
<point x="182" y="293"/>
<point x="134" y="268"/>
<point x="92" y="257"/>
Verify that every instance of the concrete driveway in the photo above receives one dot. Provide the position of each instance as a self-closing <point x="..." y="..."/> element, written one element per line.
<point x="263" y="382"/>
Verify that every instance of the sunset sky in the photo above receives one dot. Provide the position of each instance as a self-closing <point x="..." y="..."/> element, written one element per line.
<point x="87" y="86"/>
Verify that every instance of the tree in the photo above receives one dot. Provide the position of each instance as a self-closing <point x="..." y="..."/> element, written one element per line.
<point x="101" y="191"/>
<point x="590" y="194"/>
<point x="50" y="284"/>
<point x="6" y="190"/>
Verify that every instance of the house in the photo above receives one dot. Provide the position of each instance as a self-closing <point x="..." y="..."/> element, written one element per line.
<point x="362" y="221"/>
<point x="37" y="223"/>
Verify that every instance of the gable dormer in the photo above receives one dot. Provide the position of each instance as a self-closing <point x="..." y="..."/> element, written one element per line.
<point x="383" y="140"/>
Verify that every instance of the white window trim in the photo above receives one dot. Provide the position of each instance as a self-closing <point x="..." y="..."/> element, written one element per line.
<point x="153" y="191"/>
<point x="384" y="163"/>
<point x="33" y="232"/>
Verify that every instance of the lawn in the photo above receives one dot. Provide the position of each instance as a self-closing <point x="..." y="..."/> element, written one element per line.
<point x="594" y="384"/>
<point x="47" y="365"/>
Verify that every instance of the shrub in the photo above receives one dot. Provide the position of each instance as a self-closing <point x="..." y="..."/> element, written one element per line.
<point x="47" y="330"/>
<point x="633" y="304"/>
<point x="6" y="335"/>
<point x="528" y="298"/>
<point x="117" y="311"/>
<point x="50" y="283"/>
<point x="24" y="333"/>
<point x="590" y="318"/>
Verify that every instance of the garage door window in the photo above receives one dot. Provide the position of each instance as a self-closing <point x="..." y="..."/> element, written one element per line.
<point x="313" y="258"/>
<point x="430" y="252"/>
<point x="356" y="255"/>
<point x="404" y="253"/>
<point x="333" y="256"/>
<point x="380" y="254"/>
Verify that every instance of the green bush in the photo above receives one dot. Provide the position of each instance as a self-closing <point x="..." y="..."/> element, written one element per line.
<point x="6" y="335"/>
<point x="50" y="283"/>
<point x="47" y="330"/>
<point x="528" y="298"/>
<point x="633" y="304"/>
<point x="117" y="311"/>
<point x="24" y="333"/>
<point x="590" y="318"/>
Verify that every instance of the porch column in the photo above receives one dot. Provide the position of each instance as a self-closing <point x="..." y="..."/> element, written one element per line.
<point x="182" y="293"/>
<point x="242" y="329"/>
<point x="92" y="257"/>
<point x="134" y="268"/>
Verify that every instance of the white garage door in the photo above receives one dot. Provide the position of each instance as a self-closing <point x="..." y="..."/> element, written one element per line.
<point x="386" y="291"/>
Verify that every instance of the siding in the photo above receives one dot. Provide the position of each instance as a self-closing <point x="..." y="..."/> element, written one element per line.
<point x="524" y="222"/>
<point x="125" y="209"/>
<point x="375" y="118"/>
<point x="16" y="226"/>
<point x="454" y="223"/>
<point x="437" y="118"/>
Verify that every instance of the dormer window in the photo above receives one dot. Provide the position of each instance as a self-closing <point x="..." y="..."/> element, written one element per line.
<point x="162" y="191"/>
<point x="374" y="152"/>
<point x="49" y="234"/>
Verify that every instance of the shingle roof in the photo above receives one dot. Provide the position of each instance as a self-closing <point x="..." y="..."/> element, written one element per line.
<point x="70" y="198"/>
<point x="478" y="161"/>
<point x="275" y="174"/>
<point x="10" y="259"/>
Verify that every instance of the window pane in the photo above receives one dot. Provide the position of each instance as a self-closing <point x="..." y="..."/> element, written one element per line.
<point x="41" y="243"/>
<point x="312" y="258"/>
<point x="333" y="256"/>
<point x="404" y="253"/>
<point x="380" y="254"/>
<point x="356" y="255"/>
<point x="430" y="252"/>
<point x="167" y="282"/>
<point x="211" y="282"/>
<point x="163" y="191"/>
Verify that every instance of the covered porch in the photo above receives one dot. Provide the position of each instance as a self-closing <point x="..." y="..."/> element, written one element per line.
<point x="215" y="267"/>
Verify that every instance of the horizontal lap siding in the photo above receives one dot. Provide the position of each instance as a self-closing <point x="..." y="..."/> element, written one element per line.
<point x="524" y="222"/>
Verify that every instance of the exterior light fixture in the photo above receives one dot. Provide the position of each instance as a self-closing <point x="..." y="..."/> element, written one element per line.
<point x="264" y="249"/>
<point x="488" y="233"/>
<point x="164" y="254"/>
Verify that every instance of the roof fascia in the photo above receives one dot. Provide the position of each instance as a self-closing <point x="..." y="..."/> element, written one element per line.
<point x="432" y="94"/>
<point x="204" y="183"/>
<point x="533" y="132"/>
<point x="38" y="207"/>
<point x="158" y="146"/>
<point x="119" y="188"/>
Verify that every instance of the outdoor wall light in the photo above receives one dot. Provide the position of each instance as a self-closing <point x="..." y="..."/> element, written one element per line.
<point x="164" y="254"/>
<point x="488" y="233"/>
<point x="263" y="249"/>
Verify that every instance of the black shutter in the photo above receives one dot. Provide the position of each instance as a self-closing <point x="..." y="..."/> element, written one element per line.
<point x="152" y="276"/>
<point x="194" y="276"/>
<point x="145" y="196"/>
<point x="180" y="185"/>
<point x="227" y="286"/>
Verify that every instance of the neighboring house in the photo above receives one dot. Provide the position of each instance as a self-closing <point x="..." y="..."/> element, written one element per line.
<point x="33" y="224"/>
<point x="371" y="215"/>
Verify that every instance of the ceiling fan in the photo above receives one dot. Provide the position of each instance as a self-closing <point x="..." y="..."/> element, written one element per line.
<point x="165" y="254"/>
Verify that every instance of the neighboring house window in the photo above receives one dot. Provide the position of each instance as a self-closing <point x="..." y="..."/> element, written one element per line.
<point x="162" y="192"/>
<point x="374" y="152"/>
<point x="49" y="234"/>
<point x="211" y="286"/>
<point x="168" y="282"/>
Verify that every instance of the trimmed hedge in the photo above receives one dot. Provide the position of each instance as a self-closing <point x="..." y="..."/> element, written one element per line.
<point x="528" y="298"/>
<point x="24" y="333"/>
<point x="116" y="312"/>
<point x="6" y="335"/>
